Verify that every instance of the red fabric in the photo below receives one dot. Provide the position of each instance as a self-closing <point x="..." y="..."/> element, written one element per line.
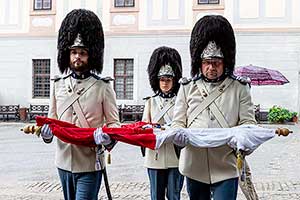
<point x="131" y="133"/>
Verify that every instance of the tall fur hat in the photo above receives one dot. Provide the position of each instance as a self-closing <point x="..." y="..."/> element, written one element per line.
<point x="87" y="24"/>
<point x="164" y="56"/>
<point x="212" y="28"/>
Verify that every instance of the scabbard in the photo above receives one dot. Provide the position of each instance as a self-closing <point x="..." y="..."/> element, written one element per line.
<point x="143" y="151"/>
<point x="104" y="173"/>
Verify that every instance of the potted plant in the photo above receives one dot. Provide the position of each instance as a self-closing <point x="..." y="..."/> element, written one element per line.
<point x="294" y="117"/>
<point x="278" y="114"/>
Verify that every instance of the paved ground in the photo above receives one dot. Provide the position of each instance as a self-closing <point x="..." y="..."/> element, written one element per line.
<point x="27" y="170"/>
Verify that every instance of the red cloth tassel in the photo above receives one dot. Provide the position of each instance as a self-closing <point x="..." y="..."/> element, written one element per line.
<point x="69" y="133"/>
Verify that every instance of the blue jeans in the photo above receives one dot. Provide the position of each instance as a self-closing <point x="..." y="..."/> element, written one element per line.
<point x="79" y="186"/>
<point x="223" y="190"/>
<point x="164" y="181"/>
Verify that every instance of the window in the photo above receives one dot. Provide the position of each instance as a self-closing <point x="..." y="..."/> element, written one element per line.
<point x="123" y="72"/>
<point x="208" y="1"/>
<point x="41" y="78"/>
<point x="124" y="3"/>
<point x="42" y="4"/>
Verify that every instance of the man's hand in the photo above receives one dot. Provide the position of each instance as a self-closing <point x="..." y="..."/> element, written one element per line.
<point x="181" y="139"/>
<point x="101" y="138"/>
<point x="46" y="133"/>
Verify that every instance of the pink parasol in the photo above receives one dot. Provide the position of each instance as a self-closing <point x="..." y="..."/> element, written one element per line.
<point x="261" y="75"/>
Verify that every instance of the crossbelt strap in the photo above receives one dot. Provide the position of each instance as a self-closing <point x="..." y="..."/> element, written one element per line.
<point x="163" y="112"/>
<point x="74" y="96"/>
<point x="82" y="120"/>
<point x="219" y="116"/>
<point x="208" y="100"/>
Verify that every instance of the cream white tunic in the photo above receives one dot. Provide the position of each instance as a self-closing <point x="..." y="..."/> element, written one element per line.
<point x="98" y="104"/>
<point x="211" y="165"/>
<point x="165" y="156"/>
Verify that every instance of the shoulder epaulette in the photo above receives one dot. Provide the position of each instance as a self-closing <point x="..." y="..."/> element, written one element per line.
<point x="241" y="79"/>
<point x="56" y="78"/>
<point x="197" y="77"/>
<point x="156" y="94"/>
<point x="146" y="98"/>
<point x="96" y="77"/>
<point x="184" y="81"/>
<point x="66" y="76"/>
<point x="107" y="79"/>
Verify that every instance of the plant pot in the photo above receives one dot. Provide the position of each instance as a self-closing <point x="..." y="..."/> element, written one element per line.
<point x="295" y="119"/>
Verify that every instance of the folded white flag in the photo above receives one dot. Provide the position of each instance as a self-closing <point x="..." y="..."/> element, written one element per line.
<point x="245" y="137"/>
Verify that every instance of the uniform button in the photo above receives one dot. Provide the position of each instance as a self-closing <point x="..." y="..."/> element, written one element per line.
<point x="78" y="82"/>
<point x="69" y="89"/>
<point x="74" y="113"/>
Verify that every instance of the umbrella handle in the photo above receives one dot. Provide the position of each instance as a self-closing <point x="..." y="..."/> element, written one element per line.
<point x="283" y="131"/>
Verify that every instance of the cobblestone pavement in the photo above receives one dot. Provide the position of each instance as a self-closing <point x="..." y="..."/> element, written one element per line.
<point x="27" y="171"/>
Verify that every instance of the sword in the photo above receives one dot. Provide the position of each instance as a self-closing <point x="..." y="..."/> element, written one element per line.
<point x="109" y="197"/>
<point x="100" y="152"/>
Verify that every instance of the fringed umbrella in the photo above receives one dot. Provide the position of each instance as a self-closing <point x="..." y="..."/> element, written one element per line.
<point x="261" y="75"/>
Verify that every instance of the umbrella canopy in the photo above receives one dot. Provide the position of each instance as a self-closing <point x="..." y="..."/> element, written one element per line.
<point x="261" y="75"/>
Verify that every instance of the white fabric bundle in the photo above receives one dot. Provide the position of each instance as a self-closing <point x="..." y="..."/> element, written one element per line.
<point x="245" y="137"/>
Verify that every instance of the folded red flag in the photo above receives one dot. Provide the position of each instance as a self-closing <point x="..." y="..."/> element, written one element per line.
<point x="132" y="133"/>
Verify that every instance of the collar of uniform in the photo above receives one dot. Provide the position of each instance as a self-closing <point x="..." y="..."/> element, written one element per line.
<point x="210" y="86"/>
<point x="169" y="95"/>
<point x="81" y="76"/>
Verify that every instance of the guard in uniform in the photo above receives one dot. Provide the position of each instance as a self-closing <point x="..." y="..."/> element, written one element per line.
<point x="82" y="98"/>
<point x="213" y="98"/>
<point x="164" y="71"/>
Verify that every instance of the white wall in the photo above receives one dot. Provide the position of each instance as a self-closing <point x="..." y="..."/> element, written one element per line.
<point x="16" y="67"/>
<point x="14" y="16"/>
<point x="280" y="51"/>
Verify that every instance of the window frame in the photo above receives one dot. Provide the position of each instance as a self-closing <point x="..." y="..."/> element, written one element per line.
<point x="124" y="6"/>
<point x="208" y="2"/>
<point x="124" y="76"/>
<point x="44" y="91"/>
<point x="34" y="5"/>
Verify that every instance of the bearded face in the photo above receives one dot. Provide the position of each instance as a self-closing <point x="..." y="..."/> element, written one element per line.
<point x="79" y="59"/>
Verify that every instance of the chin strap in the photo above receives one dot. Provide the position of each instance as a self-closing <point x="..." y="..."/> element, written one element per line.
<point x="82" y="76"/>
<point x="168" y="95"/>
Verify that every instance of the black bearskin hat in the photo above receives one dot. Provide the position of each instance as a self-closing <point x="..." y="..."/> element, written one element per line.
<point x="160" y="57"/>
<point x="87" y="24"/>
<point x="212" y="28"/>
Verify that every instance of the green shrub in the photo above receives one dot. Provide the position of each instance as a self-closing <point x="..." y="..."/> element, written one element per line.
<point x="278" y="114"/>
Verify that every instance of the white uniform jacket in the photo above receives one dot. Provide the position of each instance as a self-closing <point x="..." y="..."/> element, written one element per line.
<point x="98" y="104"/>
<point x="165" y="157"/>
<point x="211" y="165"/>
